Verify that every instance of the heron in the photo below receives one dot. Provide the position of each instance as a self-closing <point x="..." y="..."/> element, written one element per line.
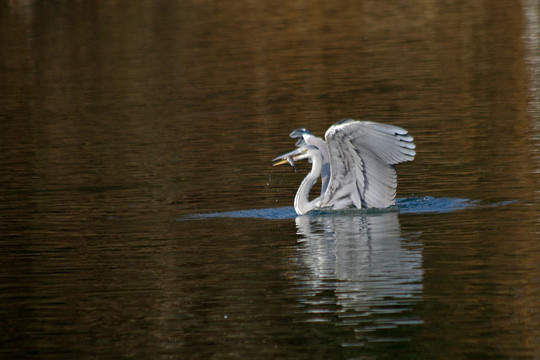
<point x="355" y="162"/>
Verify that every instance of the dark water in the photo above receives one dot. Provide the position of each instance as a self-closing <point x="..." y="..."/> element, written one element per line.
<point x="140" y="216"/>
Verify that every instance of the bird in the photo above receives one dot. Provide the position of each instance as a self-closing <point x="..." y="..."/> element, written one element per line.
<point x="355" y="162"/>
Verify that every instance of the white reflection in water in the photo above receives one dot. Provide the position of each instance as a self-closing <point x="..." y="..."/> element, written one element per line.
<point x="362" y="268"/>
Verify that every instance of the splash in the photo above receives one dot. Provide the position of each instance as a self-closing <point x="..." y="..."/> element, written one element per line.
<point x="410" y="205"/>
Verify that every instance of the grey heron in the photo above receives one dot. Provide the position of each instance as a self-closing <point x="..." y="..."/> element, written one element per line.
<point x="355" y="162"/>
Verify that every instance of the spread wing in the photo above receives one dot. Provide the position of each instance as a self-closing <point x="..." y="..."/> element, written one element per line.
<point x="362" y="156"/>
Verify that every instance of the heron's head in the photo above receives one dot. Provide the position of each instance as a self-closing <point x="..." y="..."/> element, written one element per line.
<point x="300" y="134"/>
<point x="304" y="152"/>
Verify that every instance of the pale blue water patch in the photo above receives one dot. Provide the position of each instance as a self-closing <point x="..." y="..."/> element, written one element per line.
<point x="410" y="205"/>
<point x="286" y="212"/>
<point x="428" y="204"/>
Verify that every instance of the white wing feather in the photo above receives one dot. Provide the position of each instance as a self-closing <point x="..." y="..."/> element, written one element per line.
<point x="362" y="155"/>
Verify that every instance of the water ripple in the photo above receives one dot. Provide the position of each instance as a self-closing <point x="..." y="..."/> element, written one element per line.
<point x="410" y="205"/>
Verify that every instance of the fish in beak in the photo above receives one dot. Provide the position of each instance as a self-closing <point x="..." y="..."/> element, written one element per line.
<point x="289" y="157"/>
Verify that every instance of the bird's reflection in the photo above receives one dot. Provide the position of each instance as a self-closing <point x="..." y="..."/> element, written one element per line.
<point x="360" y="268"/>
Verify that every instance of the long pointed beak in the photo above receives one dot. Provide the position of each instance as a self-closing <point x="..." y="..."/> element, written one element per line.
<point x="287" y="158"/>
<point x="284" y="161"/>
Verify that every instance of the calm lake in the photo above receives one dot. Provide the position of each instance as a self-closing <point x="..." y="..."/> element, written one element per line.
<point x="141" y="217"/>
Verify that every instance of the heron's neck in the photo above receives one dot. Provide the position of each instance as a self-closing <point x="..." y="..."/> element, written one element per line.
<point x="301" y="201"/>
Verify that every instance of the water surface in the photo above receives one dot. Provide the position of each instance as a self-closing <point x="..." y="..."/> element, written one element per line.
<point x="140" y="216"/>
